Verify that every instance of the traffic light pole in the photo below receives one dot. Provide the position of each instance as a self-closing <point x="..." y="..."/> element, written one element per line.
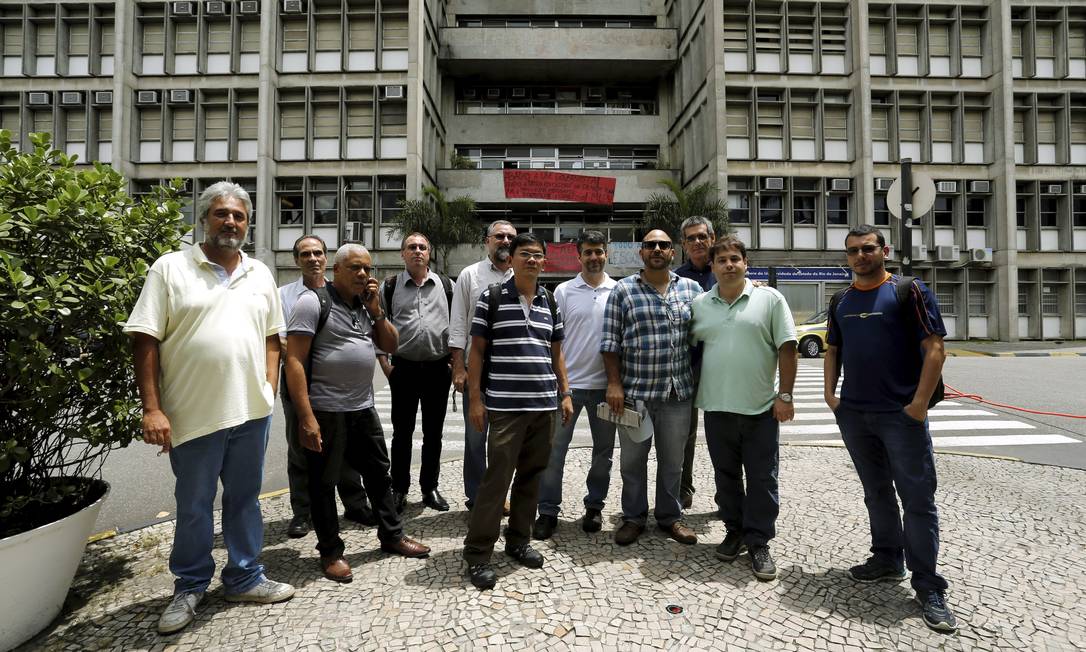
<point x="906" y="237"/>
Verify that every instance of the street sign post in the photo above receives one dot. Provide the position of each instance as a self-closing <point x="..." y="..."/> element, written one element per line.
<point x="917" y="200"/>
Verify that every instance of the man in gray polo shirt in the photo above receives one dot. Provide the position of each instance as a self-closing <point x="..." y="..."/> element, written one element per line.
<point x="330" y="369"/>
<point x="419" y="372"/>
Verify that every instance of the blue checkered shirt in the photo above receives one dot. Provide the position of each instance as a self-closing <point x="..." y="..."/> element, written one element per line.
<point x="649" y="332"/>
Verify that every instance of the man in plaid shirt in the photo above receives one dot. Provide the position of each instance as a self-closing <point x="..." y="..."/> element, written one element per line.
<point x="647" y="359"/>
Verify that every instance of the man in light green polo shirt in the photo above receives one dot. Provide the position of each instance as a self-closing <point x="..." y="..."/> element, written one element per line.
<point x="749" y="336"/>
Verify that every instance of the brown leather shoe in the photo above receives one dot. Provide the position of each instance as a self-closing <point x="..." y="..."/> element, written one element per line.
<point x="680" y="533"/>
<point x="406" y="547"/>
<point x="628" y="533"/>
<point x="337" y="569"/>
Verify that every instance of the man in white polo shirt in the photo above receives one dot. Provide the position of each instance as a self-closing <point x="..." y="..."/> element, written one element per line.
<point x="206" y="342"/>
<point x="582" y="300"/>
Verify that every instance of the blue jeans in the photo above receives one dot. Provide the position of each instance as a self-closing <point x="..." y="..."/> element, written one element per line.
<point x="892" y="451"/>
<point x="603" y="447"/>
<point x="474" y="454"/>
<point x="671" y="427"/>
<point x="235" y="456"/>
<point x="746" y="445"/>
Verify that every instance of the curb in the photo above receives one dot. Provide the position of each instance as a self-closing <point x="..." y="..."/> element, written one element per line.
<point x="1025" y="354"/>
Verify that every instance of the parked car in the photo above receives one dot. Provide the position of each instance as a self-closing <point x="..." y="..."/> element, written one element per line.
<point x="812" y="335"/>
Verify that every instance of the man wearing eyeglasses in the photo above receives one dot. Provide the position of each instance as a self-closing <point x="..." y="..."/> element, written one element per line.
<point x="698" y="237"/>
<point x="469" y="285"/>
<point x="892" y="354"/>
<point x="647" y="360"/>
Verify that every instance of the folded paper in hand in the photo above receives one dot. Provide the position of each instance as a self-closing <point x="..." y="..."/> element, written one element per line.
<point x="634" y="424"/>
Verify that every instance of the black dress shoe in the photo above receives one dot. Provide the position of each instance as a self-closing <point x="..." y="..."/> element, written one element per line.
<point x="362" y="515"/>
<point x="483" y="576"/>
<point x="298" y="528"/>
<point x="399" y="499"/>
<point x="526" y="555"/>
<point x="434" y="500"/>
<point x="544" y="527"/>
<point x="593" y="520"/>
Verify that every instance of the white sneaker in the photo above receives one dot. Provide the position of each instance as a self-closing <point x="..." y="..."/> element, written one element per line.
<point x="267" y="592"/>
<point x="179" y="613"/>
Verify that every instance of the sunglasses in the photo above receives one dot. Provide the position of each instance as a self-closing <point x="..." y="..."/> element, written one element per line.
<point x="649" y="245"/>
<point x="867" y="249"/>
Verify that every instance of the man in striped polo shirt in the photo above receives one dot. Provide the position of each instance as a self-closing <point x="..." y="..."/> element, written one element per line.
<point x="521" y="348"/>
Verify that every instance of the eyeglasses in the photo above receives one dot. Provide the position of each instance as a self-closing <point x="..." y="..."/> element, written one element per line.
<point x="503" y="236"/>
<point x="649" y="245"/>
<point x="531" y="255"/>
<point x="698" y="237"/>
<point x="417" y="247"/>
<point x="867" y="249"/>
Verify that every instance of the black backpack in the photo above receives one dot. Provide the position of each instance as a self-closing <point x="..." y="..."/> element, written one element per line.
<point x="389" y="288"/>
<point x="494" y="299"/>
<point x="903" y="292"/>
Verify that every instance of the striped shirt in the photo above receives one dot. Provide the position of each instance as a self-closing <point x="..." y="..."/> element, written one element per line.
<point x="521" y="377"/>
<point x="649" y="332"/>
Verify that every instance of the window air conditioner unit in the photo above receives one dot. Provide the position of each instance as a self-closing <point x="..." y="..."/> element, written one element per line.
<point x="180" y="96"/>
<point x="216" y="7"/>
<point x="520" y="92"/>
<point x="594" y="93"/>
<point x="947" y="253"/>
<point x="249" y="7"/>
<point x="354" y="231"/>
<point x="38" y="98"/>
<point x="979" y="255"/>
<point x="1082" y="189"/>
<point x="773" y="183"/>
<point x="292" y="6"/>
<point x="947" y="186"/>
<point x="1054" y="189"/>
<point x="71" y="97"/>
<point x="892" y="254"/>
<point x="980" y="186"/>
<point x="842" y="185"/>
<point x="182" y="8"/>
<point x="146" y="97"/>
<point x="920" y="252"/>
<point x="395" y="92"/>
<point x="883" y="184"/>
<point x="102" y="97"/>
<point x="469" y="93"/>
<point x="493" y="93"/>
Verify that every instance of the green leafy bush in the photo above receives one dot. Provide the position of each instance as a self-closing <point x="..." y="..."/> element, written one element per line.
<point x="74" y="251"/>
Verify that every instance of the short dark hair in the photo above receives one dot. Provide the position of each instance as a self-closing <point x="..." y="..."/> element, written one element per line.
<point x="591" y="237"/>
<point x="309" y="236"/>
<point x="866" y="229"/>
<point x="403" y="243"/>
<point x="727" y="242"/>
<point x="525" y="239"/>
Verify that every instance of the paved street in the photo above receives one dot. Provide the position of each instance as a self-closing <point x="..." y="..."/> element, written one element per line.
<point x="1011" y="549"/>
<point x="143" y="485"/>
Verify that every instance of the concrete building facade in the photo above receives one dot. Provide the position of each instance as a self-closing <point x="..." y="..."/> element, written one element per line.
<point x="332" y="111"/>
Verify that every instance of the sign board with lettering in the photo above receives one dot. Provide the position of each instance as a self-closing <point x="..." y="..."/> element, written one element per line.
<point x="811" y="274"/>
<point x="560" y="186"/>
<point x="624" y="255"/>
<point x="562" y="257"/>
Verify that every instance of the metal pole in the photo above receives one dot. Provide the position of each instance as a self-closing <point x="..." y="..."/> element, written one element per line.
<point x="906" y="238"/>
<point x="772" y="276"/>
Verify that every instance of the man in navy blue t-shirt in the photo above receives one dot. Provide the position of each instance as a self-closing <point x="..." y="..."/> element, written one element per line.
<point x="892" y="355"/>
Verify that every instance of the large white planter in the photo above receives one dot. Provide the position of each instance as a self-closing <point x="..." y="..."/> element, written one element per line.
<point x="36" y="571"/>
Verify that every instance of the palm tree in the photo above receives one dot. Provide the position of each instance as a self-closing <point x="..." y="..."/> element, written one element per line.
<point x="447" y="223"/>
<point x="667" y="211"/>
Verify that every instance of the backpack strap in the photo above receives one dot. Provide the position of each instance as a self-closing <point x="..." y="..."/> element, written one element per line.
<point x="835" y="300"/>
<point x="553" y="306"/>
<point x="325" y="299"/>
<point x="388" y="288"/>
<point x="494" y="299"/>
<point x="903" y="288"/>
<point x="446" y="283"/>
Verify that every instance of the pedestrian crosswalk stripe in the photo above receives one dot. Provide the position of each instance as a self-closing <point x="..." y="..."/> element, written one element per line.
<point x="827" y="415"/>
<point x="981" y="440"/>
<point x="934" y="426"/>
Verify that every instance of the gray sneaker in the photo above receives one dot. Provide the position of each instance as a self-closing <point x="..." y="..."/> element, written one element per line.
<point x="267" y="592"/>
<point x="179" y="613"/>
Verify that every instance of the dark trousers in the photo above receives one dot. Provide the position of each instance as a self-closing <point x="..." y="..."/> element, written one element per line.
<point x="350" y="484"/>
<point x="741" y="444"/>
<point x="518" y="442"/>
<point x="892" y="451"/>
<point x="352" y="439"/>
<point x="687" y="487"/>
<point x="413" y="383"/>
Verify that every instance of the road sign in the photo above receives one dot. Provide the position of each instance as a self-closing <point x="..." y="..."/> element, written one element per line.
<point x="923" y="195"/>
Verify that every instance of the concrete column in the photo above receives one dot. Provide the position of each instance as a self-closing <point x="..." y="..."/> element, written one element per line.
<point x="268" y="212"/>
<point x="1002" y="171"/>
<point x="125" y="122"/>
<point x="860" y="81"/>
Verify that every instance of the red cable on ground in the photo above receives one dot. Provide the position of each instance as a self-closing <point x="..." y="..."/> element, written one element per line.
<point x="954" y="393"/>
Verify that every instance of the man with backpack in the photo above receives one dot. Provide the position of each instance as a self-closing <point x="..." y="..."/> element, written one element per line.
<point x="330" y="361"/>
<point x="516" y="374"/>
<point x="417" y="303"/>
<point x="887" y="334"/>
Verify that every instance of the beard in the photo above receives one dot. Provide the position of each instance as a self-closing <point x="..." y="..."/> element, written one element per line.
<point x="502" y="254"/>
<point x="225" y="240"/>
<point x="594" y="266"/>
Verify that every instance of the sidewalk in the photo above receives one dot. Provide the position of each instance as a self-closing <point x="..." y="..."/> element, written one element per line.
<point x="1020" y="349"/>
<point x="1012" y="551"/>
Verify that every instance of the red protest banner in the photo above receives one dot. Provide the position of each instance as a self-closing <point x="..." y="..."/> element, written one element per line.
<point x="562" y="257"/>
<point x="542" y="184"/>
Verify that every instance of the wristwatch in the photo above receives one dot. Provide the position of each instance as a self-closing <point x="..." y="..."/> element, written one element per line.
<point x="785" y="396"/>
<point x="568" y="392"/>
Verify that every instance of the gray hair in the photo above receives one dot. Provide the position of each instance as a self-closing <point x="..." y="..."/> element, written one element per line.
<point x="347" y="250"/>
<point x="695" y="220"/>
<point x="222" y="190"/>
<point x="495" y="224"/>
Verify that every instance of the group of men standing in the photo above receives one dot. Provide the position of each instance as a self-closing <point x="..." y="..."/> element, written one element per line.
<point x="659" y="343"/>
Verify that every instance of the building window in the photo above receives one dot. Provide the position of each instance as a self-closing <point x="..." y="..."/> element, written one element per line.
<point x="946" y="296"/>
<point x="1078" y="211"/>
<point x="943" y="211"/>
<point x="803" y="209"/>
<point x="324" y="198"/>
<point x="882" y="211"/>
<point x="978" y="300"/>
<point x="78" y="39"/>
<point x="769" y="210"/>
<point x="837" y="210"/>
<point x="1049" y="211"/>
<point x="393" y="119"/>
<point x="976" y="212"/>
<point x="1050" y="300"/>
<point x="1080" y="299"/>
<point x="739" y="201"/>
<point x="288" y="192"/>
<point x="359" y="196"/>
<point x="154" y="38"/>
